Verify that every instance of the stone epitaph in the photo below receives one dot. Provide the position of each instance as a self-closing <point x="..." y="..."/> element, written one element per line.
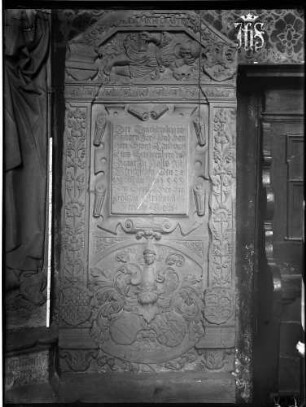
<point x="147" y="272"/>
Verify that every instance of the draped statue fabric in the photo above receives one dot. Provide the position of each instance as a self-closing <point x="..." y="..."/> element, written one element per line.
<point x="26" y="55"/>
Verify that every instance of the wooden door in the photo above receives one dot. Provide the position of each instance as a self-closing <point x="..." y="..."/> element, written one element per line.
<point x="270" y="200"/>
<point x="283" y="142"/>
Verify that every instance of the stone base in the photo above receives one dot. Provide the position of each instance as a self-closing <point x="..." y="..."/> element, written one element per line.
<point x="150" y="388"/>
<point x="35" y="393"/>
<point x="30" y="365"/>
<point x="127" y="388"/>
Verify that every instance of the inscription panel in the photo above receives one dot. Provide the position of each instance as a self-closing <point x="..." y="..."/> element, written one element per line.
<point x="149" y="168"/>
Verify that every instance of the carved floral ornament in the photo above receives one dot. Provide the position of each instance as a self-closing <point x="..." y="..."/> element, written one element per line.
<point x="166" y="46"/>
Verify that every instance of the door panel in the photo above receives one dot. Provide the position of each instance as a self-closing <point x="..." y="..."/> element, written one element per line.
<point x="283" y="129"/>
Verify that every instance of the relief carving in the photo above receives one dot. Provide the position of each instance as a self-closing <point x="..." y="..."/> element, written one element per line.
<point x="218" y="359"/>
<point x="74" y="198"/>
<point x="183" y="362"/>
<point x="148" y="54"/>
<point x="100" y="126"/>
<point x="100" y="161"/>
<point x="199" y="192"/>
<point x="25" y="294"/>
<point x="161" y="171"/>
<point x="222" y="177"/>
<point x="162" y="51"/>
<point x="100" y="191"/>
<point x="219" y="59"/>
<point x="78" y="360"/>
<point x="75" y="305"/>
<point x="148" y="304"/>
<point x="218" y="305"/>
<point x="195" y="246"/>
<point x="150" y="92"/>
<point x="100" y="243"/>
<point x="140" y="113"/>
<point x="159" y="111"/>
<point x="200" y="130"/>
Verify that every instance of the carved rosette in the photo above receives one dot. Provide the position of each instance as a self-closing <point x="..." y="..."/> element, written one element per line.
<point x="222" y="197"/>
<point x="73" y="303"/>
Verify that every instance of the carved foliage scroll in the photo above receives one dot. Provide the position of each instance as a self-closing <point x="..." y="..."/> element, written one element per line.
<point x="74" y="298"/>
<point x="222" y="197"/>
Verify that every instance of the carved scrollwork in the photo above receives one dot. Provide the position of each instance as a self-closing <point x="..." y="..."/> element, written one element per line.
<point x="159" y="111"/>
<point x="140" y="113"/>
<point x="146" y="304"/>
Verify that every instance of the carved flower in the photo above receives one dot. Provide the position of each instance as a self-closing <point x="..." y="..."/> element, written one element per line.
<point x="74" y="209"/>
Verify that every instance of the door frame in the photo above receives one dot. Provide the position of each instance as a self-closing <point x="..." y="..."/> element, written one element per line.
<point x="260" y="279"/>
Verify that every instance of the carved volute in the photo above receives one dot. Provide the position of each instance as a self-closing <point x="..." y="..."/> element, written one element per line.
<point x="147" y="270"/>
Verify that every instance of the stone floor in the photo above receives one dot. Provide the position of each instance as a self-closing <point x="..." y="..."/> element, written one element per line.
<point x="123" y="388"/>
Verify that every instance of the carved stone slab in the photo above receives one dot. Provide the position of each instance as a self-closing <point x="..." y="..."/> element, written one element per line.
<point x="155" y="199"/>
